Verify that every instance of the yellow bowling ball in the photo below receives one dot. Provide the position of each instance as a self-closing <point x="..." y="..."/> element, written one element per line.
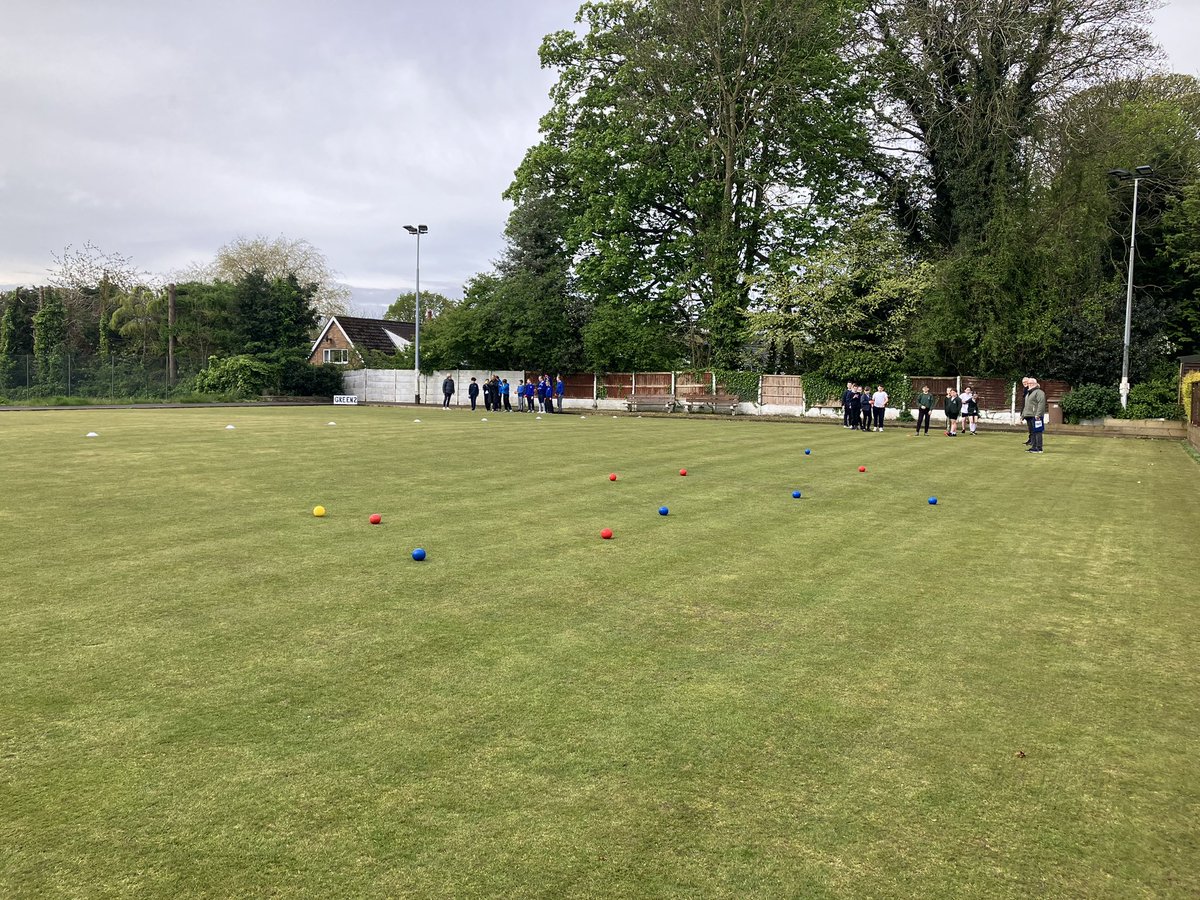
<point x="319" y="511"/>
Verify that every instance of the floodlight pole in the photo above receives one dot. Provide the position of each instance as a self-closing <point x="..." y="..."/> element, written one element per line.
<point x="1136" y="175"/>
<point x="417" y="230"/>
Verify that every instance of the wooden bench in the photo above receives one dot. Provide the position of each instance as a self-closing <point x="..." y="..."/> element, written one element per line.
<point x="650" y="402"/>
<point x="718" y="403"/>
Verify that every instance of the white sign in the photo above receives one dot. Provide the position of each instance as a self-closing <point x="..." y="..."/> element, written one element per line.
<point x="345" y="399"/>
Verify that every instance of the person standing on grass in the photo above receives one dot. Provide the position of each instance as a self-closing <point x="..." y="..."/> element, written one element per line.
<point x="447" y="392"/>
<point x="504" y="389"/>
<point x="952" y="408"/>
<point x="529" y="394"/>
<point x="847" y="399"/>
<point x="864" y="407"/>
<point x="970" y="409"/>
<point x="1034" y="413"/>
<point x="473" y="393"/>
<point x="879" y="401"/>
<point x="559" y="390"/>
<point x="1025" y="388"/>
<point x="853" y="408"/>
<point x="924" y="408"/>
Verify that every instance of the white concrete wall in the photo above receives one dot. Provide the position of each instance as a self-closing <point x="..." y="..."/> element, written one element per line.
<point x="399" y="385"/>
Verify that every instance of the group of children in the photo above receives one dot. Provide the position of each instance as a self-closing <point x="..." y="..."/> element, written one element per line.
<point x="962" y="410"/>
<point x="531" y="397"/>
<point x="861" y="409"/>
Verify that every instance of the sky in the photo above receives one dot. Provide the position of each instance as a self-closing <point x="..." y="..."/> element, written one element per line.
<point x="163" y="129"/>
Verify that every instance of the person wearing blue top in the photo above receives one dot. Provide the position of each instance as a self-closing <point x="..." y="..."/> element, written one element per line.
<point x="529" y="392"/>
<point x="473" y="393"/>
<point x="559" y="390"/>
<point x="504" y="394"/>
<point x="541" y="393"/>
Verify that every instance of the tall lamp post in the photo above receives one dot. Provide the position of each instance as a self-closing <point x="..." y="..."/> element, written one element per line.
<point x="417" y="230"/>
<point x="1136" y="175"/>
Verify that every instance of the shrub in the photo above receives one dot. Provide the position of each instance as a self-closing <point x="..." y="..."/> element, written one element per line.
<point x="1157" y="399"/>
<point x="298" y="378"/>
<point x="238" y="376"/>
<point x="1091" y="401"/>
<point x="1189" y="381"/>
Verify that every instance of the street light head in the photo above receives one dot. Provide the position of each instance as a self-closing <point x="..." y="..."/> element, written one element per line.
<point x="411" y="229"/>
<point x="423" y="229"/>
<point x="1143" y="171"/>
<point x="1115" y="173"/>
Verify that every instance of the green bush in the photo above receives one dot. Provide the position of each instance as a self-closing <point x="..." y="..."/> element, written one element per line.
<point x="1091" y="401"/>
<point x="821" y="390"/>
<point x="241" y="376"/>
<point x="298" y="378"/>
<point x="1154" y="400"/>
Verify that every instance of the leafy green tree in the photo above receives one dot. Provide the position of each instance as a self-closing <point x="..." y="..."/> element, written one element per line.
<point x="16" y="334"/>
<point x="277" y="258"/>
<point x="964" y="91"/>
<point x="845" y="310"/>
<point x="274" y="315"/>
<point x="50" y="342"/>
<point x="140" y="320"/>
<point x="404" y="307"/>
<point x="206" y="320"/>
<point x="691" y="143"/>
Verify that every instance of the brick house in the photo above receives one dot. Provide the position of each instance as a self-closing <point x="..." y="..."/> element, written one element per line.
<point x="343" y="338"/>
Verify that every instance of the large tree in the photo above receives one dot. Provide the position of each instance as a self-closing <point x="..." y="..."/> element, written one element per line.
<point x="277" y="258"/>
<point x="404" y="307"/>
<point x="964" y="89"/>
<point x="692" y="144"/>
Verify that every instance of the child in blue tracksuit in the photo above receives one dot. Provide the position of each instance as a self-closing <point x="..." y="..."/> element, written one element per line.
<point x="559" y="390"/>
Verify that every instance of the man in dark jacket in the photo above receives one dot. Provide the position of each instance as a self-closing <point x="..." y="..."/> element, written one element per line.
<point x="473" y="393"/>
<point x="447" y="391"/>
<point x="847" y="397"/>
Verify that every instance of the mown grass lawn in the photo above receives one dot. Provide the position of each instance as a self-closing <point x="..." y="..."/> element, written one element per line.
<point x="206" y="691"/>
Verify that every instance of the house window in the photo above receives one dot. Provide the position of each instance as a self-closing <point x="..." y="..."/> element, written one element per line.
<point x="337" y="356"/>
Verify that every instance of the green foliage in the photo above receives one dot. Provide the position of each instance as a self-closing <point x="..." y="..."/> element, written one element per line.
<point x="821" y="390"/>
<point x="242" y="376"/>
<point x="630" y="338"/>
<point x="743" y="384"/>
<point x="404" y="307"/>
<point x="845" y="310"/>
<point x="50" y="342"/>
<point x="1186" y="386"/>
<point x="1157" y="399"/>
<point x="1091" y="401"/>
<point x="680" y="135"/>
<point x="401" y="359"/>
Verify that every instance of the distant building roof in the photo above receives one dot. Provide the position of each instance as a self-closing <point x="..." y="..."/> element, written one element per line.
<point x="373" y="334"/>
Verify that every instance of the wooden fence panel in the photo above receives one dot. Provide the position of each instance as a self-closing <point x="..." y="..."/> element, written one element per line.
<point x="653" y="384"/>
<point x="578" y="387"/>
<point x="688" y="384"/>
<point x="617" y="385"/>
<point x="993" y="394"/>
<point x="937" y="386"/>
<point x="782" y="390"/>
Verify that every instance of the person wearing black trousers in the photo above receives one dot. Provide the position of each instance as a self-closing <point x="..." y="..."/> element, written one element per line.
<point x="864" y="405"/>
<point x="924" y="408"/>
<point x="847" y="398"/>
<point x="1025" y="385"/>
<point x="473" y="393"/>
<point x="447" y="391"/>
<point x="855" y="411"/>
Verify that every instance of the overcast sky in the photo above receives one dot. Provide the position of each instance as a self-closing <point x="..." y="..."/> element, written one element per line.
<point x="162" y="130"/>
